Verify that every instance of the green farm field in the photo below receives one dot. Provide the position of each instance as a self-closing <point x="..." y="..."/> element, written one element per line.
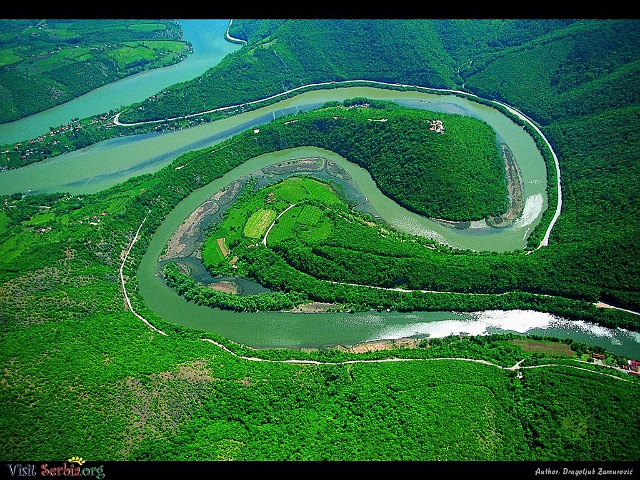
<point x="132" y="52"/>
<point x="546" y="347"/>
<point x="48" y="62"/>
<point x="307" y="220"/>
<point x="85" y="374"/>
<point x="258" y="223"/>
<point x="250" y="218"/>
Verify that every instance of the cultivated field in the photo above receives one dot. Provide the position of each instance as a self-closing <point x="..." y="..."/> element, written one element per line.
<point x="258" y="223"/>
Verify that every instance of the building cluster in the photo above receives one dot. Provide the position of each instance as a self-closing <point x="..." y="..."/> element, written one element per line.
<point x="437" y="126"/>
<point x="271" y="198"/>
<point x="634" y="367"/>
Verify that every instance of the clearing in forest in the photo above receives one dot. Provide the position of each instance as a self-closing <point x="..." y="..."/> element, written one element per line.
<point x="258" y="223"/>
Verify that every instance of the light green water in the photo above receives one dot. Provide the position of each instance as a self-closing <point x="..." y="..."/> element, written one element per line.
<point x="108" y="163"/>
<point x="105" y="164"/>
<point x="209" y="48"/>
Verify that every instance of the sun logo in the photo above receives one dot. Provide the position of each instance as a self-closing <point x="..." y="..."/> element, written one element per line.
<point x="77" y="460"/>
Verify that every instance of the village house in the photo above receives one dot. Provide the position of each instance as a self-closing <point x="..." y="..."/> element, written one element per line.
<point x="437" y="126"/>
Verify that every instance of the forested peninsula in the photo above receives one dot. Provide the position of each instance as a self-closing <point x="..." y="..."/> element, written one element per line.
<point x="83" y="367"/>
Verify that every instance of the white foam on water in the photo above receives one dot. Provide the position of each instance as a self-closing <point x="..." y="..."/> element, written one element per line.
<point x="412" y="227"/>
<point x="520" y="321"/>
<point x="635" y="336"/>
<point x="532" y="209"/>
<point x="439" y="329"/>
<point x="590" y="329"/>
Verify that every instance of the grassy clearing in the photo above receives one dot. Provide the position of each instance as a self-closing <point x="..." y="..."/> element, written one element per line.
<point x="142" y="187"/>
<point x="7" y="57"/>
<point x="285" y="225"/>
<point x="4" y="222"/>
<point x="212" y="254"/>
<point x="40" y="219"/>
<point x="14" y="247"/>
<point x="297" y="189"/>
<point x="308" y="221"/>
<point x="147" y="27"/>
<point x="251" y="217"/>
<point x="66" y="56"/>
<point x="148" y="51"/>
<point x="545" y="346"/>
<point x="258" y="223"/>
<point x="58" y="33"/>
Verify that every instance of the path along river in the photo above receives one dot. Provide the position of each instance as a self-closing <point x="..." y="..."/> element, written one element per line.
<point x="108" y="163"/>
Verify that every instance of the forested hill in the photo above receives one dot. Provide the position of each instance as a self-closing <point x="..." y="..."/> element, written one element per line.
<point x="301" y="52"/>
<point x="282" y="55"/>
<point x="548" y="68"/>
<point x="584" y="68"/>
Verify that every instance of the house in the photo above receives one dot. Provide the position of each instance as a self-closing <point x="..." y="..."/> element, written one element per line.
<point x="634" y="365"/>
<point x="437" y="126"/>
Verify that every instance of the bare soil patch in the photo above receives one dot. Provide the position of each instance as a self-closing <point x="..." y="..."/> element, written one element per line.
<point x="223" y="247"/>
<point x="184" y="240"/>
<point x="309" y="164"/>
<point x="313" y="307"/>
<point x="382" y="345"/>
<point x="225" y="287"/>
<point x="548" y="348"/>
<point x="515" y="186"/>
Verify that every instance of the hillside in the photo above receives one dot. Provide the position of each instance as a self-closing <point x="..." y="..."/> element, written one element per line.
<point x="44" y="63"/>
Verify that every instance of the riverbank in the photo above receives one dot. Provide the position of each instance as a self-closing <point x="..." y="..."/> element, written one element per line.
<point x="515" y="187"/>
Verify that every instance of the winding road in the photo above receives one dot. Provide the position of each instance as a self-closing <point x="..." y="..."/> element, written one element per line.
<point x="544" y="242"/>
<point x="264" y="240"/>
<point x="395" y="359"/>
<point x="316" y="362"/>
<point x="122" y="281"/>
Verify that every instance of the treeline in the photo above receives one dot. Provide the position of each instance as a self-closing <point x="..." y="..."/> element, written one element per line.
<point x="202" y="295"/>
<point x="560" y="269"/>
<point x="356" y="253"/>
<point x="81" y="369"/>
<point x="458" y="175"/>
<point x="297" y="286"/>
<point x="434" y="53"/>
<point x="353" y="412"/>
<point x="65" y="308"/>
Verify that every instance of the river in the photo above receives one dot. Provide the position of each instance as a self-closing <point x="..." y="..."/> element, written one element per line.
<point x="105" y="164"/>
<point x="209" y="48"/>
<point x="100" y="166"/>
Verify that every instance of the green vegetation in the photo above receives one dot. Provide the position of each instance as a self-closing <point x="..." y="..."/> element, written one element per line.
<point x="258" y="223"/>
<point x="80" y="371"/>
<point x="319" y="247"/>
<point x="469" y="411"/>
<point x="44" y="63"/>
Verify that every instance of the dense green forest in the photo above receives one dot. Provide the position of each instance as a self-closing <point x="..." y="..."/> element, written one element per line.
<point x="44" y="63"/>
<point x="80" y="368"/>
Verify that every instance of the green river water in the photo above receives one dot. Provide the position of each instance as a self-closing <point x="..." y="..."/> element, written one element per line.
<point x="100" y="166"/>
